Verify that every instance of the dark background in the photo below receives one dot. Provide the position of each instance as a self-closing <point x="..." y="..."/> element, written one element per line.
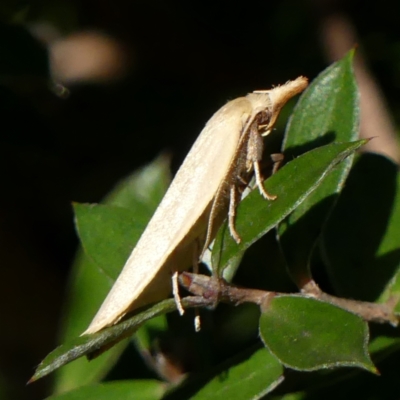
<point x="178" y="62"/>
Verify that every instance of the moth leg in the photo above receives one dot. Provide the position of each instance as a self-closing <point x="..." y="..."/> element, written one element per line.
<point x="195" y="265"/>
<point x="175" y="292"/>
<point x="277" y="159"/>
<point x="217" y="204"/>
<point x="233" y="199"/>
<point x="259" y="182"/>
<point x="243" y="182"/>
<point x="255" y="148"/>
<point x="197" y="320"/>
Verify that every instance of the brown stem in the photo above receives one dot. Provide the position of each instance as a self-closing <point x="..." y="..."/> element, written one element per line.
<point x="214" y="290"/>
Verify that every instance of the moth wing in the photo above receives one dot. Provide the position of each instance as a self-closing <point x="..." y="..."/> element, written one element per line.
<point x="188" y="196"/>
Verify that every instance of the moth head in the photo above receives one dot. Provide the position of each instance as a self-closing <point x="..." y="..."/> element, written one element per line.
<point x="273" y="100"/>
<point x="265" y="122"/>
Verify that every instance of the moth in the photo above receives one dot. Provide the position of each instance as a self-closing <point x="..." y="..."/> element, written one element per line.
<point x="206" y="188"/>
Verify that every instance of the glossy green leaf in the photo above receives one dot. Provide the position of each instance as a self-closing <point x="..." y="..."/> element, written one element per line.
<point x="308" y="334"/>
<point x="256" y="216"/>
<point x="252" y="378"/>
<point x="361" y="242"/>
<point x="353" y="383"/>
<point x="127" y="390"/>
<point x="328" y="111"/>
<point x="137" y="195"/>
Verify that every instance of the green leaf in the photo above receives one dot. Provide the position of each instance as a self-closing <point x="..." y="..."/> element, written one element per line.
<point x="327" y="111"/>
<point x="147" y="338"/>
<point x="86" y="290"/>
<point x="109" y="232"/>
<point x="256" y="216"/>
<point x="108" y="235"/>
<point x="253" y="378"/>
<point x="139" y="194"/>
<point x="353" y="383"/>
<point x="88" y="344"/>
<point x="251" y="374"/>
<point x="361" y="241"/>
<point x="348" y="384"/>
<point x="383" y="345"/>
<point x="308" y="334"/>
<point x="127" y="390"/>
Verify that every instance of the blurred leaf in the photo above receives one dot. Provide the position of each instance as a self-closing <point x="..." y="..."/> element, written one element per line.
<point x="328" y="111"/>
<point x="361" y="242"/>
<point x="144" y="335"/>
<point x="127" y="390"/>
<point x="308" y="334"/>
<point x="147" y="342"/>
<point x="256" y="216"/>
<point x="88" y="285"/>
<point x="382" y="345"/>
<point x="251" y="379"/>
